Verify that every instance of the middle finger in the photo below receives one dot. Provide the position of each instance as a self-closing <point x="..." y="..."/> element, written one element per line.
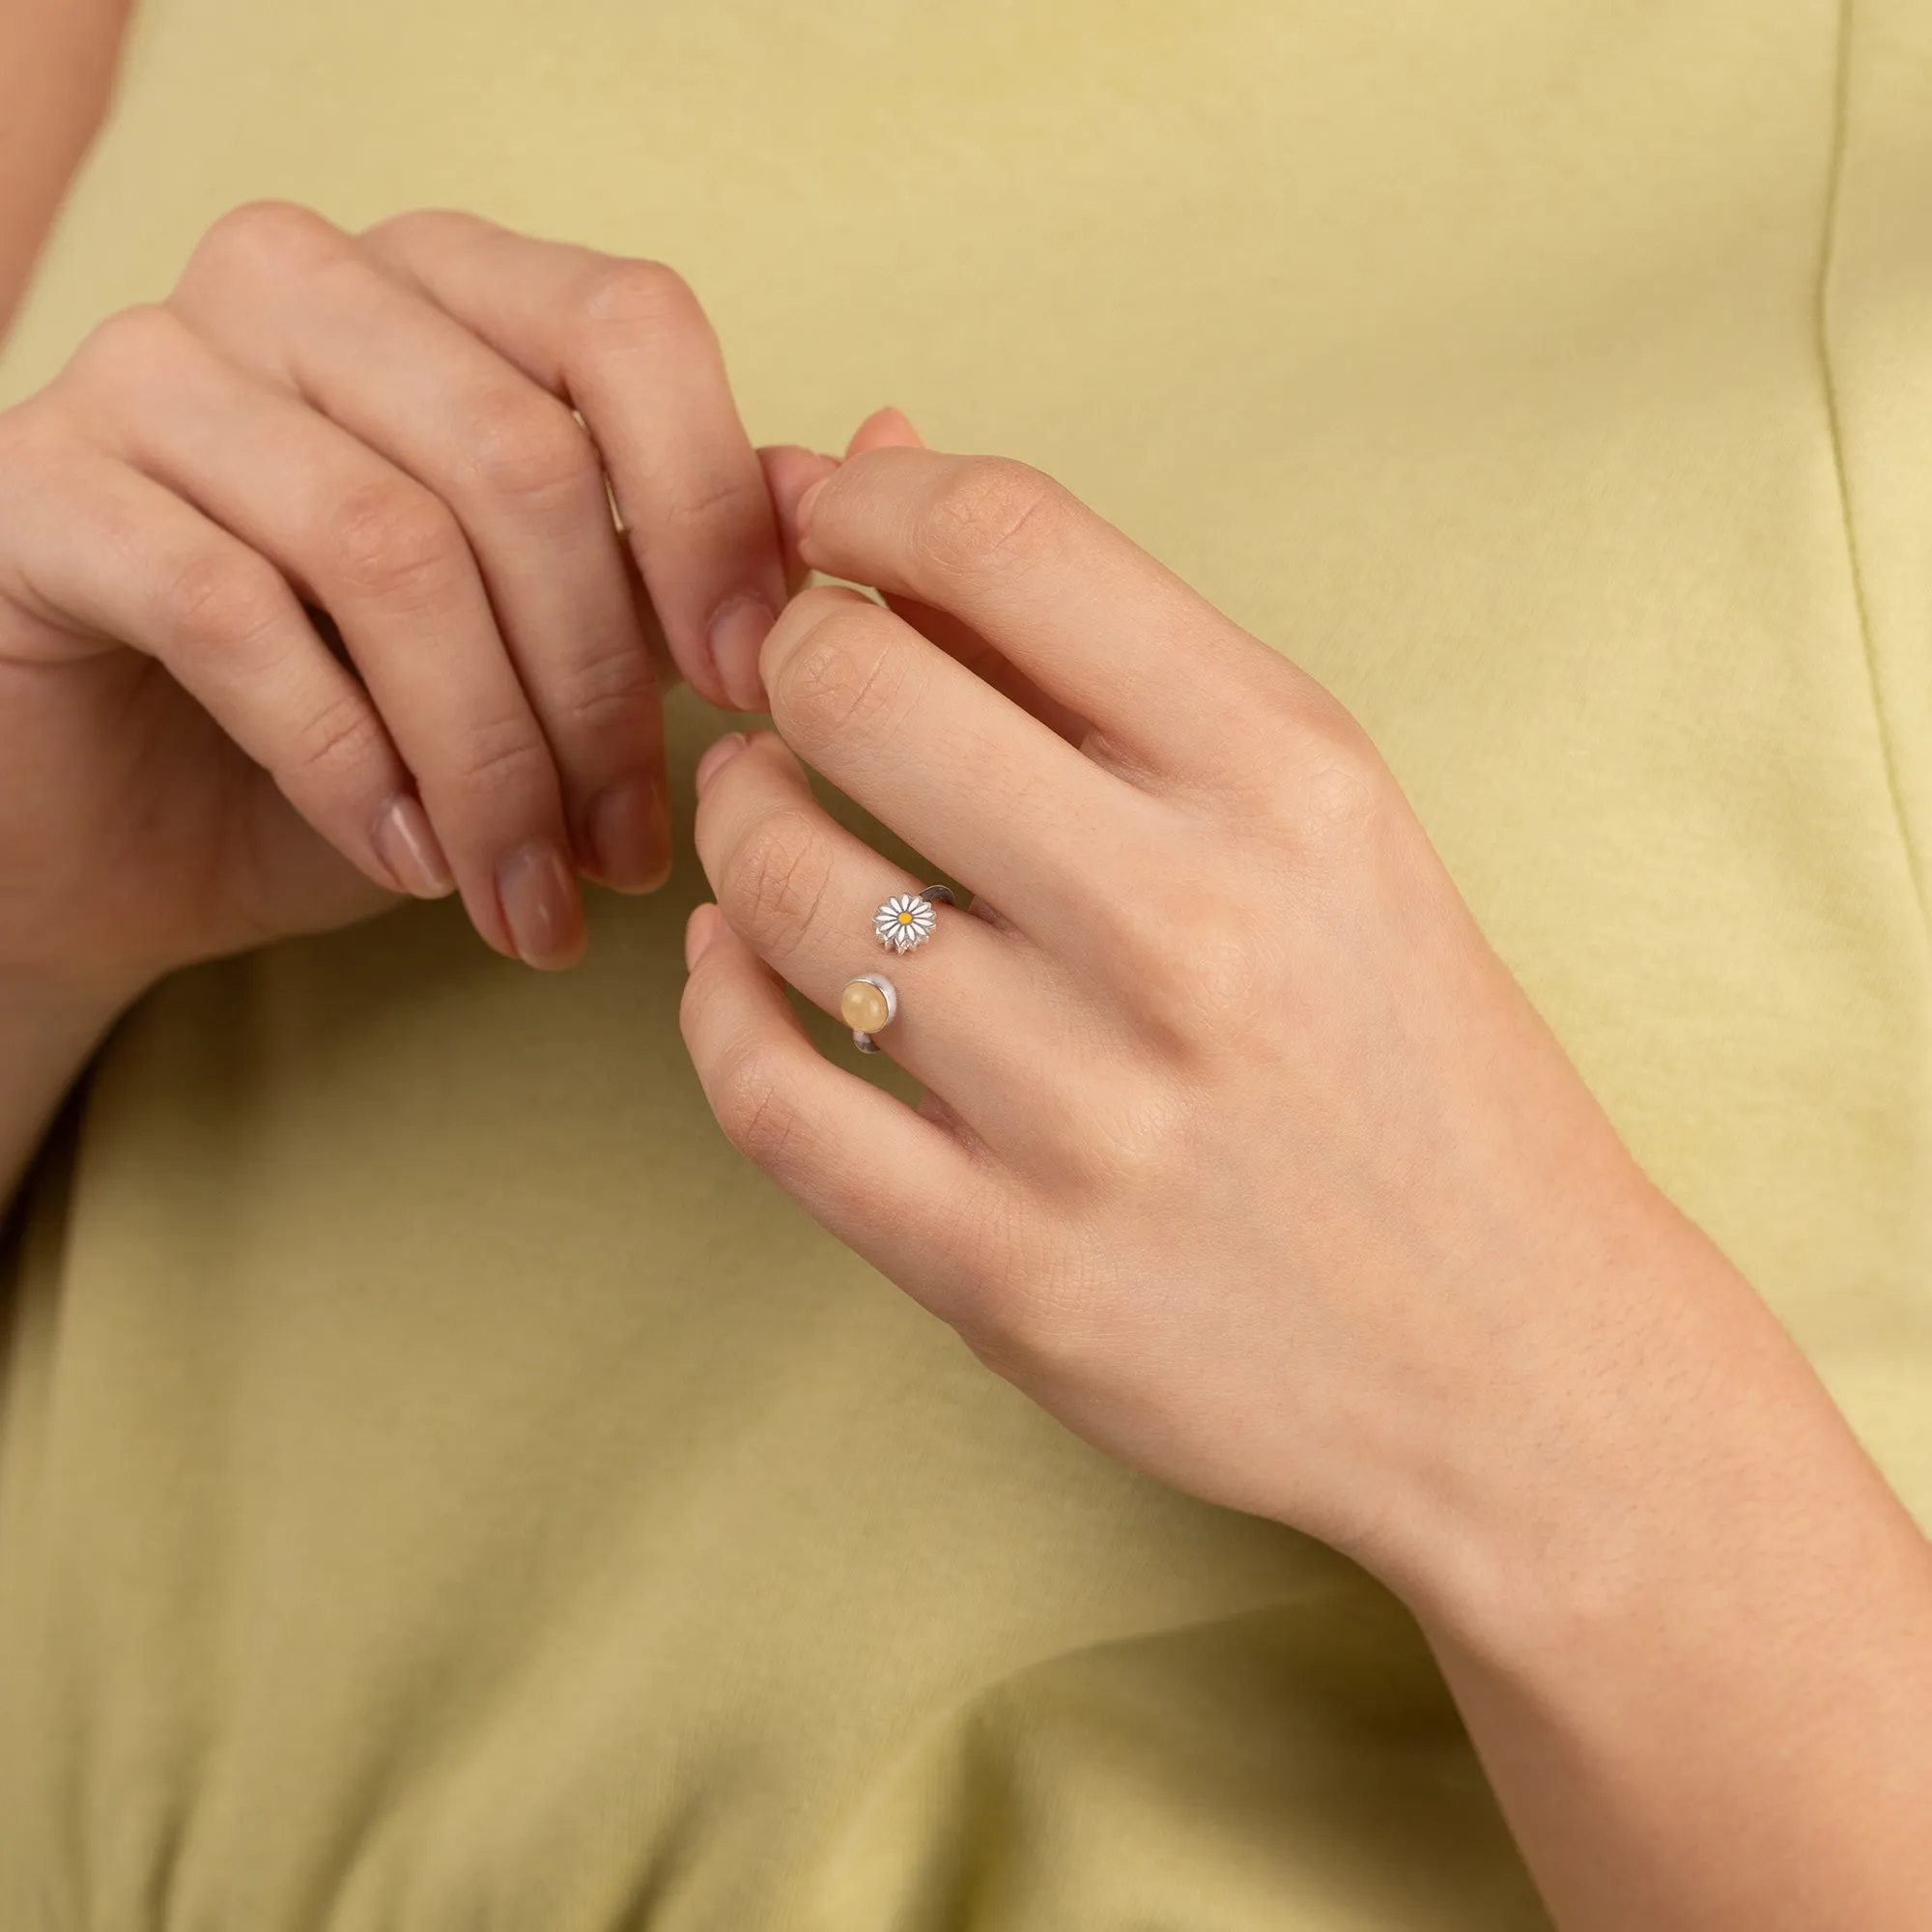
<point x="995" y="796"/>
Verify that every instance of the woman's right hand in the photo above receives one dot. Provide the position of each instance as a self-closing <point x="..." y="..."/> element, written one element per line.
<point x="384" y="428"/>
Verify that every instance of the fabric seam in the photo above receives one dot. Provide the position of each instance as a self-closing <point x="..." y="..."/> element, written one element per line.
<point x="1841" y="469"/>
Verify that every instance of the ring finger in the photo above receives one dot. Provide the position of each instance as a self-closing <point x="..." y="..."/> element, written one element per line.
<point x="975" y="1002"/>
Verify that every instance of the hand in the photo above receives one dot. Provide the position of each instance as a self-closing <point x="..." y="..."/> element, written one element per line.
<point x="380" y="428"/>
<point x="1241" y="1149"/>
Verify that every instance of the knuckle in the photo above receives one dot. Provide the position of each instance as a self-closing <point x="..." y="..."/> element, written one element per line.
<point x="400" y="232"/>
<point x="137" y="343"/>
<point x="848" y="674"/>
<point x="779" y="877"/>
<point x="395" y="543"/>
<point x="994" y="512"/>
<point x="1205" y="966"/>
<point x="502" y="757"/>
<point x="1223" y="980"/>
<point x="39" y="440"/>
<point x="265" y="235"/>
<point x="1340" y="783"/>
<point x="706" y="498"/>
<point x="338" y="741"/>
<point x="1144" y="1145"/>
<point x="393" y="232"/>
<point x="221" y="601"/>
<point x="627" y="296"/>
<point x="759" y="1115"/>
<point x="609" y="689"/>
<point x="525" y="446"/>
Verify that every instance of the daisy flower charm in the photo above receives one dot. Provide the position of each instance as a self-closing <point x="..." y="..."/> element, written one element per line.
<point x="904" y="921"/>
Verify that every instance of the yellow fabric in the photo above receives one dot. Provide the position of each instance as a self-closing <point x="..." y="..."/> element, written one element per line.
<point x="442" y="1486"/>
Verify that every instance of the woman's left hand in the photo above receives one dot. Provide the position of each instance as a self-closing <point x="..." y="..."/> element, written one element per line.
<point x="1244" y="1154"/>
<point x="1241" y="1151"/>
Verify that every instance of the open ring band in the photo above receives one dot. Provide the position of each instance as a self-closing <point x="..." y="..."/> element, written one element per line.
<point x="872" y="1002"/>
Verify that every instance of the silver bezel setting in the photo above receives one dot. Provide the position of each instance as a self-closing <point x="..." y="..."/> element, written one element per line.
<point x="865" y="1041"/>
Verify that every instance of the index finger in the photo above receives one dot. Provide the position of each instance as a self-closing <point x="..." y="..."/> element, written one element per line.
<point x="626" y="343"/>
<point x="1074" y="604"/>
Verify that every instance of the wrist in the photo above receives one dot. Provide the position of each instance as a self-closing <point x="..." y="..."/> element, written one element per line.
<point x="1697" y="1620"/>
<point x="1663" y="1411"/>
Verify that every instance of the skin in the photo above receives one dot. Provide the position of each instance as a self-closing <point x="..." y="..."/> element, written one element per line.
<point x="379" y="427"/>
<point x="57" y="60"/>
<point x="311" y="596"/>
<point x="1283" y="1194"/>
<point x="1241" y="1152"/>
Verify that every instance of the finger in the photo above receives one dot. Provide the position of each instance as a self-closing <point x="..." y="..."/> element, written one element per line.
<point x="114" y="555"/>
<point x="966" y="648"/>
<point x="803" y="892"/>
<point x="789" y="473"/>
<point x="373" y="354"/>
<point x="390" y="565"/>
<point x="895" y="1187"/>
<point x="1082" y="611"/>
<point x="889" y="429"/>
<point x="885" y="429"/>
<point x="626" y="344"/>
<point x="994" y="797"/>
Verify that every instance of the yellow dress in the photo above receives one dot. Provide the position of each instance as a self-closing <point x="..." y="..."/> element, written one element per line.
<point x="443" y="1487"/>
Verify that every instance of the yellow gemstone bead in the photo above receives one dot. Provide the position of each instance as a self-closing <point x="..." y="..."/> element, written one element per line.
<point x="862" y="1006"/>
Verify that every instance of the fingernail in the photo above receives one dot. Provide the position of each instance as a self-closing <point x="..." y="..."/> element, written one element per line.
<point x="627" y="836"/>
<point x="541" y="904"/>
<point x="737" y="631"/>
<point x="803" y="514"/>
<point x="888" y="427"/>
<point x="824" y="469"/>
<point x="699" y="931"/>
<point x="718" y="753"/>
<point x="407" y="846"/>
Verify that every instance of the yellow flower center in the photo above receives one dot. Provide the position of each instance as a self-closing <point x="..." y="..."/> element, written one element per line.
<point x="905" y="919"/>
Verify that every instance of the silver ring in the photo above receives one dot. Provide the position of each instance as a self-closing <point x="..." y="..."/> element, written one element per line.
<point x="871" y="1003"/>
<point x="906" y="920"/>
<point x="860" y="1007"/>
